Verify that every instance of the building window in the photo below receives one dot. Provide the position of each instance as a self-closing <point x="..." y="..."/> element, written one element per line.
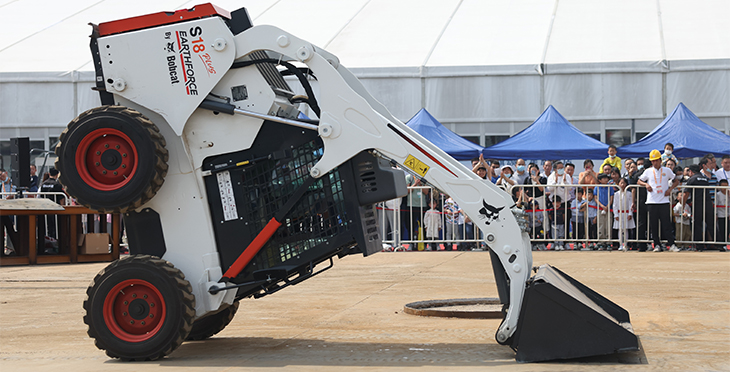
<point x="618" y="137"/>
<point x="640" y="135"/>
<point x="473" y="139"/>
<point x="493" y="140"/>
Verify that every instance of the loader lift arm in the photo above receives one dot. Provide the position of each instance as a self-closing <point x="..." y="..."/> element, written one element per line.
<point x="349" y="124"/>
<point x="352" y="121"/>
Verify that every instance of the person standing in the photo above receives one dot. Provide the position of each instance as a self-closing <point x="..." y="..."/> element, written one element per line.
<point x="33" y="179"/>
<point x="578" y="208"/>
<point x="588" y="176"/>
<point x="521" y="175"/>
<point x="557" y="187"/>
<point x="604" y="195"/>
<point x="547" y="168"/>
<point x="707" y="164"/>
<point x="722" y="198"/>
<point x="535" y="194"/>
<point x="7" y="225"/>
<point x="638" y="205"/>
<point x="623" y="221"/>
<point x="47" y="226"/>
<point x="659" y="182"/>
<point x="454" y="223"/>
<point x="433" y="225"/>
<point x="724" y="172"/>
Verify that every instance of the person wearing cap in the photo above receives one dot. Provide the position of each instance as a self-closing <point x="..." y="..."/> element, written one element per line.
<point x="505" y="177"/>
<point x="659" y="182"/>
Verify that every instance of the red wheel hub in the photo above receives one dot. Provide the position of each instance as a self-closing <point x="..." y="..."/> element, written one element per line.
<point x="106" y="159"/>
<point x="134" y="310"/>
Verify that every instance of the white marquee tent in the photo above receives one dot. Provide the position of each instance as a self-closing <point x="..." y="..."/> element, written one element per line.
<point x="484" y="68"/>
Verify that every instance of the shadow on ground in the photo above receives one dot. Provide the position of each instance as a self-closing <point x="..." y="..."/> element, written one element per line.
<point x="271" y="352"/>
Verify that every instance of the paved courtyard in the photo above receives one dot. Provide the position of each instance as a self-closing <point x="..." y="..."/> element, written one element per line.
<point x="351" y="317"/>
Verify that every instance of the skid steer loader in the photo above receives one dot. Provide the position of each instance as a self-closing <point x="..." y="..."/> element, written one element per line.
<point x="227" y="193"/>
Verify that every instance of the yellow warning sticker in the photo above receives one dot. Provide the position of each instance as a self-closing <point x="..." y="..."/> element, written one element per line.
<point x="416" y="165"/>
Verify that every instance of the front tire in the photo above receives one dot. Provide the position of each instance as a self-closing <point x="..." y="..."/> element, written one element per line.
<point x="139" y="308"/>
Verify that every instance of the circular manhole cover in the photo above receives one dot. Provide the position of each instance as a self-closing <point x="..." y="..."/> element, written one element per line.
<point x="474" y="308"/>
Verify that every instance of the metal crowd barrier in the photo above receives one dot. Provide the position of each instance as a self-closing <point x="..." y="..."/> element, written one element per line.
<point x="408" y="223"/>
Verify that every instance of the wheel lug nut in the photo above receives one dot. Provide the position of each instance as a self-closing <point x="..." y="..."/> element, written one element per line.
<point x="134" y="295"/>
<point x="152" y="304"/>
<point x="125" y="302"/>
<point x="152" y="316"/>
<point x="131" y="322"/>
<point x="143" y="322"/>
<point x="124" y="155"/>
<point x="97" y="164"/>
<point x="106" y="146"/>
<point x="115" y="173"/>
<point x="145" y="296"/>
<point x="116" y="147"/>
<point x="124" y="313"/>
<point x="103" y="172"/>
<point x="98" y="153"/>
<point x="124" y="165"/>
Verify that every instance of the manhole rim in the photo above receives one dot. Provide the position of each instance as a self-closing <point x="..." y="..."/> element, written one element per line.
<point x="431" y="308"/>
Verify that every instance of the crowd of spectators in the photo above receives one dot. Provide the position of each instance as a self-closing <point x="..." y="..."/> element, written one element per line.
<point x="625" y="204"/>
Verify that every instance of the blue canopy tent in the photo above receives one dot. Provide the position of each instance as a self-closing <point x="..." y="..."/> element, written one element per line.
<point x="551" y="136"/>
<point x="448" y="141"/>
<point x="690" y="136"/>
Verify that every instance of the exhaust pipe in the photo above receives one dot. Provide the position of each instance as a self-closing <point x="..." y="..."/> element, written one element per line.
<point x="563" y="319"/>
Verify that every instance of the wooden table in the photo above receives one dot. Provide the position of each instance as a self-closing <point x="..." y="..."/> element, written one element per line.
<point x="26" y="225"/>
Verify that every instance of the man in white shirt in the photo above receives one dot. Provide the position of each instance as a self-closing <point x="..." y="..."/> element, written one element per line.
<point x="560" y="177"/>
<point x="659" y="182"/>
<point x="547" y="168"/>
<point x="724" y="172"/>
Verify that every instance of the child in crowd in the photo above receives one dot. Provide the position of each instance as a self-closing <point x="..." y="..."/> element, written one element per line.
<point x="535" y="216"/>
<point x="591" y="209"/>
<point x="604" y="194"/>
<point x="623" y="220"/>
<point x="433" y="225"/>
<point x="722" y="197"/>
<point x="667" y="155"/>
<point x="612" y="159"/>
<point x="577" y="207"/>
<point x="557" y="219"/>
<point x="682" y="219"/>
<point x="454" y="222"/>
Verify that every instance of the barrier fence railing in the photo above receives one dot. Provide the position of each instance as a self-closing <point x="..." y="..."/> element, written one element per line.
<point x="598" y="217"/>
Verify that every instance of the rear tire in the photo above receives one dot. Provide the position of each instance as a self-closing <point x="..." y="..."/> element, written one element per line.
<point x="211" y="325"/>
<point x="139" y="308"/>
<point x="112" y="159"/>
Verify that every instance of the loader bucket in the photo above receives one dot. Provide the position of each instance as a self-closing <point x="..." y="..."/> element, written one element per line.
<point x="562" y="319"/>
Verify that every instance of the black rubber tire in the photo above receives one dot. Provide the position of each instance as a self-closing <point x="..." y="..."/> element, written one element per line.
<point x="174" y="320"/>
<point x="210" y="325"/>
<point x="76" y="149"/>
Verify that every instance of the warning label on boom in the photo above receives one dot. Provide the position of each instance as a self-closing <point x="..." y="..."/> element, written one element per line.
<point x="416" y="165"/>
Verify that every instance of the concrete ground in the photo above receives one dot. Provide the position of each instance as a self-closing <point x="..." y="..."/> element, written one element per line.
<point x="351" y="317"/>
